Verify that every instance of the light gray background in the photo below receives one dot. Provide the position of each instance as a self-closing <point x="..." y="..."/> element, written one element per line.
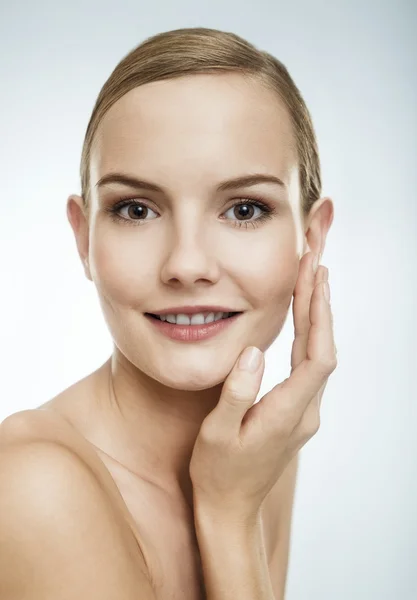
<point x="354" y="526"/>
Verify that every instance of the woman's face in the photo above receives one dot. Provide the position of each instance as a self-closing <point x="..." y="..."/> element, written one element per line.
<point x="185" y="247"/>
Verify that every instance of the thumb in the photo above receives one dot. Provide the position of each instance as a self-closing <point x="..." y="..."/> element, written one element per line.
<point x="239" y="391"/>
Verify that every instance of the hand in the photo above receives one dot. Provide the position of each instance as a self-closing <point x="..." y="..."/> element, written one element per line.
<point x="242" y="450"/>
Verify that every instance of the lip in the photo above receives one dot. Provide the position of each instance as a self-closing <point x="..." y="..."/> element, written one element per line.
<point x="192" y="310"/>
<point x="192" y="333"/>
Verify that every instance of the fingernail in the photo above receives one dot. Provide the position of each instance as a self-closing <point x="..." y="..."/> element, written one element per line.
<point x="250" y="359"/>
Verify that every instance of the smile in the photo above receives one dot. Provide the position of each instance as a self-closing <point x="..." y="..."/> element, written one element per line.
<point x="192" y="332"/>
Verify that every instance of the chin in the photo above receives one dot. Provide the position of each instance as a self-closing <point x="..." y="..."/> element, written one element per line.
<point x="188" y="375"/>
<point x="191" y="382"/>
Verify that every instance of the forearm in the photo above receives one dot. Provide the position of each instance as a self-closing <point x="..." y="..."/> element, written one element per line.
<point x="233" y="558"/>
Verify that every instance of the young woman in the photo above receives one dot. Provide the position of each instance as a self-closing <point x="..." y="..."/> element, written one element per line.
<point x="199" y="220"/>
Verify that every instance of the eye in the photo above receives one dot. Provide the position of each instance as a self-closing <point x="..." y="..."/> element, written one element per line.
<point x="137" y="212"/>
<point x="245" y="208"/>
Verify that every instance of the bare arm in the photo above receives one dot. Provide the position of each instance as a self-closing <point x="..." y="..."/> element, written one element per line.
<point x="280" y="511"/>
<point x="59" y="536"/>
<point x="233" y="559"/>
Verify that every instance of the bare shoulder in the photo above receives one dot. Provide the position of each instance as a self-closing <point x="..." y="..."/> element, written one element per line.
<point x="42" y="425"/>
<point x="34" y="425"/>
<point x="59" y="536"/>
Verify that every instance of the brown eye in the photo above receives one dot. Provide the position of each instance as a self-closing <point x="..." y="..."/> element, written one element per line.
<point x="137" y="211"/>
<point x="243" y="210"/>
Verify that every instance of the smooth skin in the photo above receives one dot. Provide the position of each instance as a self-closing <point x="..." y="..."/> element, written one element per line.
<point x="60" y="536"/>
<point x="51" y="500"/>
<point x="242" y="449"/>
<point x="186" y="135"/>
<point x="185" y="247"/>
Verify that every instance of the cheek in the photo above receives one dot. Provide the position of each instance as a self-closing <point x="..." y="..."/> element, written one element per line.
<point x="119" y="274"/>
<point x="273" y="278"/>
<point x="267" y="273"/>
<point x="274" y="289"/>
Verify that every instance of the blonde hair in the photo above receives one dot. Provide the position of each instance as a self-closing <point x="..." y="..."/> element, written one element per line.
<point x="199" y="50"/>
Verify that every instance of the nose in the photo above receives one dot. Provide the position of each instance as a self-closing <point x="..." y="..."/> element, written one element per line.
<point x="191" y="258"/>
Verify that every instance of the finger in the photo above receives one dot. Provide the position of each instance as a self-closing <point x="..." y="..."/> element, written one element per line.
<point x="307" y="279"/>
<point x="306" y="380"/>
<point x="310" y="420"/>
<point x="238" y="394"/>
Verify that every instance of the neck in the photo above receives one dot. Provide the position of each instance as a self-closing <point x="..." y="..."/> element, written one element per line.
<point x="148" y="428"/>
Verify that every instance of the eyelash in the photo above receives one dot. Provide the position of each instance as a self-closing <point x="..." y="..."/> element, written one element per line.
<point x="267" y="211"/>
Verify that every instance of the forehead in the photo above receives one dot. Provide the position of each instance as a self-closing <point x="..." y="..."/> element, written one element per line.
<point x="195" y="127"/>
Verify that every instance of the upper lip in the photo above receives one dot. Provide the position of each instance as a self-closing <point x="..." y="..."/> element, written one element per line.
<point x="191" y="310"/>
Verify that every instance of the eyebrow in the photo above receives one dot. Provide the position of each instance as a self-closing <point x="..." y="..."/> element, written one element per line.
<point x="228" y="184"/>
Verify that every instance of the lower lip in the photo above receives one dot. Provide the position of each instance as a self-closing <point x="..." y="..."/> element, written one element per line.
<point x="192" y="333"/>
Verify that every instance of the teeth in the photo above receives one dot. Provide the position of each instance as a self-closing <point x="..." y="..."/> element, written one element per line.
<point x="197" y="319"/>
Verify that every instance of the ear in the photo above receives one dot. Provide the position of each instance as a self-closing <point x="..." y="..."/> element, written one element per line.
<point x="78" y="218"/>
<point x="318" y="224"/>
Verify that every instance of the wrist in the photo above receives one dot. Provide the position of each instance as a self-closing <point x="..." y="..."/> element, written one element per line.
<point x="227" y="522"/>
<point x="233" y="556"/>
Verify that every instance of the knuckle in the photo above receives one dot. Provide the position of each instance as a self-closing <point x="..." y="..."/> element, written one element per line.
<point x="314" y="427"/>
<point x="327" y="365"/>
<point x="310" y="429"/>
<point x="210" y="433"/>
<point x="239" y="393"/>
<point x="333" y="364"/>
<point x="309" y="424"/>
